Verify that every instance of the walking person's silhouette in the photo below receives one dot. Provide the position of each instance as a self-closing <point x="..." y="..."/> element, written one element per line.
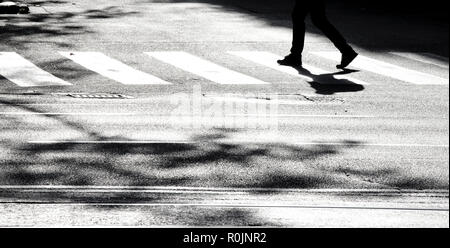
<point x="316" y="8"/>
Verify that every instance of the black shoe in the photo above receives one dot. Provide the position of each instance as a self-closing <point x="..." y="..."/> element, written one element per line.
<point x="291" y="60"/>
<point x="347" y="58"/>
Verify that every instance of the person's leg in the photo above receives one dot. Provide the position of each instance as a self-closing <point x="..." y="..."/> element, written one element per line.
<point x="298" y="40"/>
<point x="301" y="9"/>
<point x="320" y="20"/>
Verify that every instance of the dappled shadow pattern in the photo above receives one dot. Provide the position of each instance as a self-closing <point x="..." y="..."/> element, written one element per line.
<point x="72" y="163"/>
<point x="229" y="217"/>
<point x="19" y="30"/>
<point x="206" y="160"/>
<point x="401" y="181"/>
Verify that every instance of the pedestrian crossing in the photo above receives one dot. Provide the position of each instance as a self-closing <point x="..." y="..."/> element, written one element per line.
<point x="23" y="73"/>
<point x="270" y="60"/>
<point x="112" y="69"/>
<point x="425" y="58"/>
<point x="204" y="68"/>
<point x="383" y="68"/>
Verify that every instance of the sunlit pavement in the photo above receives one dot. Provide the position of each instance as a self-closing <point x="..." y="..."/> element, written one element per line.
<point x="200" y="128"/>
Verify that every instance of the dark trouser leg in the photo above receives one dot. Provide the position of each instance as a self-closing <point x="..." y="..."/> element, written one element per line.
<point x="298" y="20"/>
<point x="320" y="20"/>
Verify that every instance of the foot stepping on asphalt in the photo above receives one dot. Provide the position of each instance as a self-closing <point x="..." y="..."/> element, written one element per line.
<point x="270" y="60"/>
<point x="389" y="70"/>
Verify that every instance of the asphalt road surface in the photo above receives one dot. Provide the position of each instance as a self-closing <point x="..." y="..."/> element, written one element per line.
<point x="178" y="112"/>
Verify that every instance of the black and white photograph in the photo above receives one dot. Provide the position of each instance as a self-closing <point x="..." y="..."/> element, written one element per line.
<point x="203" y="115"/>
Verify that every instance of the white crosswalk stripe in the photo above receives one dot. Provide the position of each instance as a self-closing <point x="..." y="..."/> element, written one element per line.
<point x="112" y="68"/>
<point x="270" y="60"/>
<point x="389" y="70"/>
<point x="204" y="68"/>
<point x="424" y="58"/>
<point x="23" y="73"/>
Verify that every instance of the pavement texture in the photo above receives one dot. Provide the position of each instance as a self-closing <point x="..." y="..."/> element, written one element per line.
<point x="378" y="150"/>
<point x="218" y="207"/>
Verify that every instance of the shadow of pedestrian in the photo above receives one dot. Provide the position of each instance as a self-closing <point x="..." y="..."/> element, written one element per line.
<point x="329" y="84"/>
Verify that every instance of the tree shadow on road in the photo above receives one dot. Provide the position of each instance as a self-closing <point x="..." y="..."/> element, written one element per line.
<point x="18" y="31"/>
<point x="112" y="161"/>
<point x="205" y="161"/>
